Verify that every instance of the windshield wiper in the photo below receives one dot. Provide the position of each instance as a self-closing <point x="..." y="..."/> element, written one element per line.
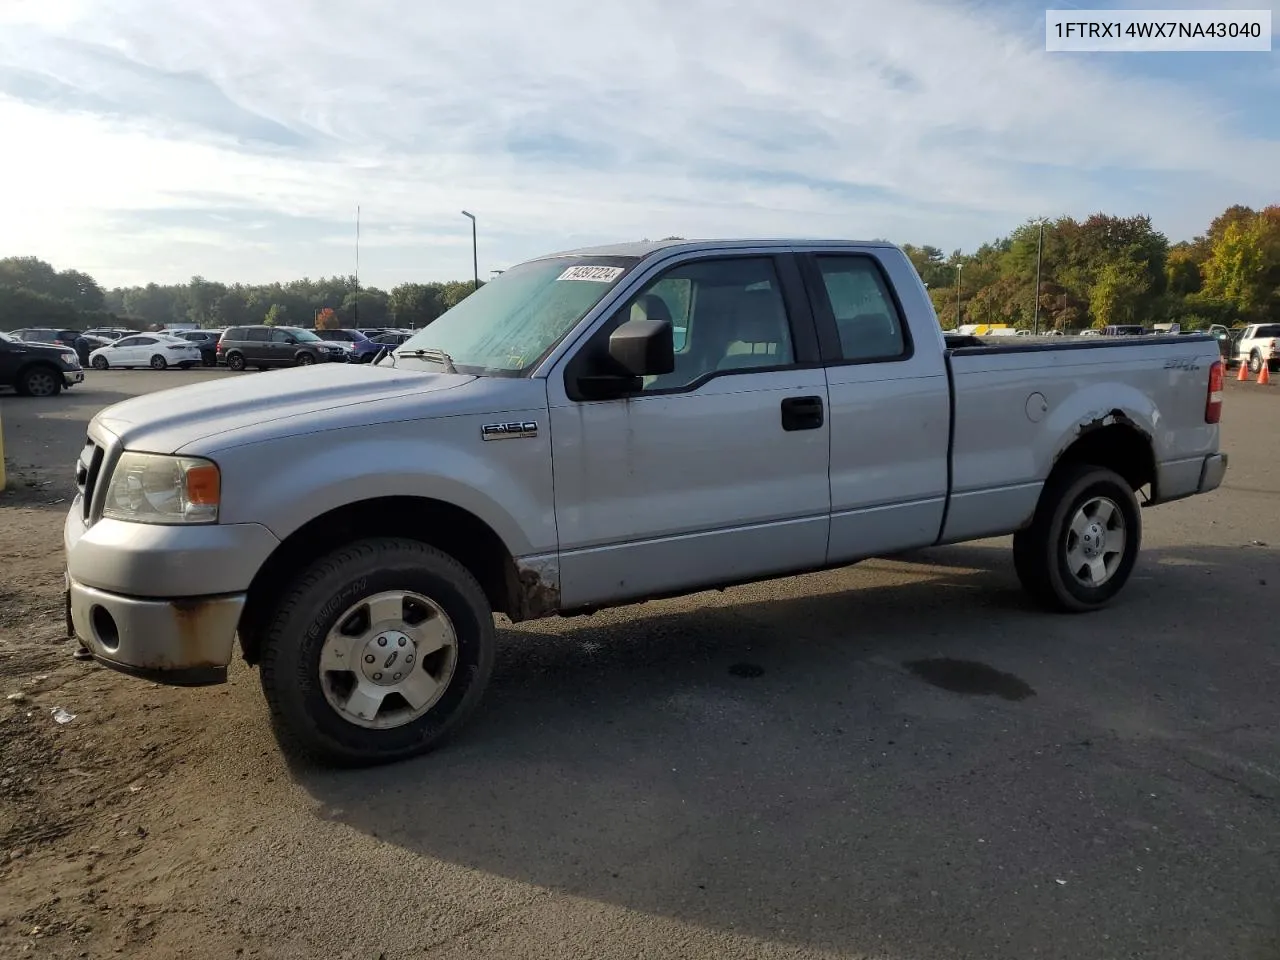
<point x="434" y="354"/>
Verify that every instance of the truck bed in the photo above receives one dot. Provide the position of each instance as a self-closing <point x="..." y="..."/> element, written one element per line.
<point x="1016" y="403"/>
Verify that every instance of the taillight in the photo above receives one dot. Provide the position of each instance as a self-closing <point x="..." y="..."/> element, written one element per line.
<point x="1213" y="405"/>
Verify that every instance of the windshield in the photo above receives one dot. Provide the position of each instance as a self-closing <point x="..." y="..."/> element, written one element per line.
<point x="511" y="323"/>
<point x="304" y="336"/>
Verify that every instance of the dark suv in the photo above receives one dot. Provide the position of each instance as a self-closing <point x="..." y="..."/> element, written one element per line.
<point x="37" y="369"/>
<point x="61" y="338"/>
<point x="206" y="340"/>
<point x="265" y="347"/>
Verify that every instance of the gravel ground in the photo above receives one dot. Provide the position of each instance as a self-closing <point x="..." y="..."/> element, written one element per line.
<point x="902" y="760"/>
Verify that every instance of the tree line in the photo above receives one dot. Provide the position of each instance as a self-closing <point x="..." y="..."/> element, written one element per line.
<point x="34" y="294"/>
<point x="1094" y="272"/>
<point x="1112" y="270"/>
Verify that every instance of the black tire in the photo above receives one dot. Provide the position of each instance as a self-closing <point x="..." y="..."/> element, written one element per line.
<point x="1040" y="551"/>
<point x="305" y="722"/>
<point x="235" y="360"/>
<point x="159" y="363"/>
<point x="100" y="363"/>
<point x="305" y="359"/>
<point x="39" y="380"/>
<point x="1255" y="363"/>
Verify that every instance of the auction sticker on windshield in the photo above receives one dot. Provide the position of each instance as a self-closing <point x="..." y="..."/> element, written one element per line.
<point x="598" y="274"/>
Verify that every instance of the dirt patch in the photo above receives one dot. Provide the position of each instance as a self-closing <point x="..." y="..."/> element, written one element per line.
<point x="100" y="823"/>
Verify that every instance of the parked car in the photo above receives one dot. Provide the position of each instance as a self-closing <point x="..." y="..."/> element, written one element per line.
<point x="384" y="340"/>
<point x="37" y="369"/>
<point x="264" y="347"/>
<point x="86" y="343"/>
<point x="1255" y="345"/>
<point x="155" y="350"/>
<point x="1124" y="330"/>
<point x="60" y="337"/>
<point x="356" y="529"/>
<point x="361" y="348"/>
<point x="113" y="333"/>
<point x="207" y="341"/>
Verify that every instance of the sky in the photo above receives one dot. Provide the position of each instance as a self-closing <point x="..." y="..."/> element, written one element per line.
<point x="147" y="140"/>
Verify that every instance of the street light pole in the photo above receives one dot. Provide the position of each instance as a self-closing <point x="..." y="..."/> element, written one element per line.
<point x="475" y="255"/>
<point x="1035" y="323"/>
<point x="959" y="267"/>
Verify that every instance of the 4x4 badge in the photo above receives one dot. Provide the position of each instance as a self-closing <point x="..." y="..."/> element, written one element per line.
<point x="509" y="431"/>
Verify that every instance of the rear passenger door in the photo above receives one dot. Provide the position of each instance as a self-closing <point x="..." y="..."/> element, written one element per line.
<point x="257" y="347"/>
<point x="890" y="409"/>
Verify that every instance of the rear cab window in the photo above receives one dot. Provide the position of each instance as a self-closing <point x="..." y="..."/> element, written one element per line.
<point x="866" y="316"/>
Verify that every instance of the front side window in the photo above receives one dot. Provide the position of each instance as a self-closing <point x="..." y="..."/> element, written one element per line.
<point x="512" y="322"/>
<point x="732" y="314"/>
<point x="869" y="325"/>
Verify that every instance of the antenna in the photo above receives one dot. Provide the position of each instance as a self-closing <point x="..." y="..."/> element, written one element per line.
<point x="356" y="311"/>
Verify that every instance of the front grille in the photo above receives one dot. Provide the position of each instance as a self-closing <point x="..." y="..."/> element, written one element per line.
<point x="88" y="467"/>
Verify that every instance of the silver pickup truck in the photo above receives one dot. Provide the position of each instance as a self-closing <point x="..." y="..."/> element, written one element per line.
<point x="599" y="427"/>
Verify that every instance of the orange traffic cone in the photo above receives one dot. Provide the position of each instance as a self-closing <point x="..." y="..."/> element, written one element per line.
<point x="1244" y="372"/>
<point x="1264" y="375"/>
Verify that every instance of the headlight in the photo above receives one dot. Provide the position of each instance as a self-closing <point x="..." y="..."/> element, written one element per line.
<point x="152" y="488"/>
<point x="71" y="358"/>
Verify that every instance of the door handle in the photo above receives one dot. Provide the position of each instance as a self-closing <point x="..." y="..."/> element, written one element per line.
<point x="802" y="413"/>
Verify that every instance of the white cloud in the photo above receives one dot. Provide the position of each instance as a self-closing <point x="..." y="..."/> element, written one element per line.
<point x="928" y="122"/>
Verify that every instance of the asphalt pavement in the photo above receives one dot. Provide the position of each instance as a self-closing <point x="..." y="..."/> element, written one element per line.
<point x="903" y="759"/>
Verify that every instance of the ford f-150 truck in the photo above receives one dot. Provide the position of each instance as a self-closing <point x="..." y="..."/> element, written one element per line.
<point x="595" y="428"/>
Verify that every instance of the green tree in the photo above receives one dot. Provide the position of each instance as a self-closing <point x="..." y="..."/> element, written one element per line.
<point x="1243" y="268"/>
<point x="276" y="316"/>
<point x="1120" y="293"/>
<point x="415" y="305"/>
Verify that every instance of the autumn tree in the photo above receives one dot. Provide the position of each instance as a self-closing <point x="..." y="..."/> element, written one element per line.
<point x="327" y="319"/>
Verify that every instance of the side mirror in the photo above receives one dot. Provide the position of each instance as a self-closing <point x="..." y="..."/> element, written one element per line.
<point x="637" y="349"/>
<point x="644" y="348"/>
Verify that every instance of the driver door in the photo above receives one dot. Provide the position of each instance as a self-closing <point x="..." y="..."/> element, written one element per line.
<point x="712" y="474"/>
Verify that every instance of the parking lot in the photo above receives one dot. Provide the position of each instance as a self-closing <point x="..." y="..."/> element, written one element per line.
<point x="902" y="759"/>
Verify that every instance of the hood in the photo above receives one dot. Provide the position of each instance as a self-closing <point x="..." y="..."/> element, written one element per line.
<point x="51" y="348"/>
<point x="165" y="421"/>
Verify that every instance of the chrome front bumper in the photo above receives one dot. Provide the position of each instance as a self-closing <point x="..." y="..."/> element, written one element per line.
<point x="183" y="642"/>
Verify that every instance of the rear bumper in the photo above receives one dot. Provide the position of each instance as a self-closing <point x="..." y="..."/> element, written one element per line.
<point x="1211" y="474"/>
<point x="1177" y="479"/>
<point x="187" y="642"/>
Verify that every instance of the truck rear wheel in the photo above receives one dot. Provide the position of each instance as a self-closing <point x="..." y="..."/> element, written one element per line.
<point x="1083" y="542"/>
<point x="378" y="652"/>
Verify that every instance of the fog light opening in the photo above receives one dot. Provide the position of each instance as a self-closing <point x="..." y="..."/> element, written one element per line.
<point x="104" y="629"/>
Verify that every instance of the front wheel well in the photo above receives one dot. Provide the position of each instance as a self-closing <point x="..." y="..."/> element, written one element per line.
<point x="1114" y="442"/>
<point x="457" y="532"/>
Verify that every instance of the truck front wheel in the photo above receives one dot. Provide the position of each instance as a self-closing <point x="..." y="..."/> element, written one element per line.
<point x="1082" y="544"/>
<point x="378" y="652"/>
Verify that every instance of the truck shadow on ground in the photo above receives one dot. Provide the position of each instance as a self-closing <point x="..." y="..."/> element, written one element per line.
<point x="771" y="767"/>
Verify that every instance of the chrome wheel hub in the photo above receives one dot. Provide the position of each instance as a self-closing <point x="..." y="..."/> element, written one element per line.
<point x="388" y="659"/>
<point x="1096" y="541"/>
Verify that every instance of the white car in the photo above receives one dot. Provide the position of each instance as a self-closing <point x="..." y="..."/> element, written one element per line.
<point x="155" y="350"/>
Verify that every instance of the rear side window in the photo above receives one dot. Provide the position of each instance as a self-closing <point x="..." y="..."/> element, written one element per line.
<point x="257" y="334"/>
<point x="233" y="333"/>
<point x="866" y="317"/>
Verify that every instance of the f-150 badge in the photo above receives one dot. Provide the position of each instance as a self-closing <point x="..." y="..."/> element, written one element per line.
<point x="509" y="431"/>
